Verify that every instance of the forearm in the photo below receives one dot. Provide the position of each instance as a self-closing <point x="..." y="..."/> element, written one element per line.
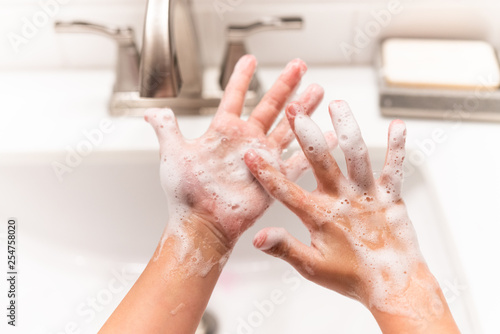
<point x="172" y="293"/>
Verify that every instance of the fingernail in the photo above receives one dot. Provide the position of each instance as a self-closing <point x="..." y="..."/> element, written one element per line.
<point x="264" y="242"/>
<point x="259" y="240"/>
<point x="267" y="240"/>
<point x="294" y="109"/>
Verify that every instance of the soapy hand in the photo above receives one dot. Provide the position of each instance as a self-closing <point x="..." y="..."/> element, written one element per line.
<point x="212" y="199"/>
<point x="362" y="242"/>
<point x="207" y="177"/>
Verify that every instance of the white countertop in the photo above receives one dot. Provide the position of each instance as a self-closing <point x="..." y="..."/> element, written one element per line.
<point x="47" y="111"/>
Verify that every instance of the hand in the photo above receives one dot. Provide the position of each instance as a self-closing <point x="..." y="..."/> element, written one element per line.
<point x="206" y="178"/>
<point x="212" y="199"/>
<point x="363" y="244"/>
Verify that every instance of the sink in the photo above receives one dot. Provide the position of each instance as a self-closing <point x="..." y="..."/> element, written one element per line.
<point x="84" y="241"/>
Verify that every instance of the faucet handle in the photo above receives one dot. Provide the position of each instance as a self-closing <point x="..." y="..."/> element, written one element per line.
<point x="266" y="23"/>
<point x="121" y="35"/>
<point x="127" y="67"/>
<point x="236" y="43"/>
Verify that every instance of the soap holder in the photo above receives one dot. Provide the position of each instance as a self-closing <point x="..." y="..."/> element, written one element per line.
<point x="435" y="103"/>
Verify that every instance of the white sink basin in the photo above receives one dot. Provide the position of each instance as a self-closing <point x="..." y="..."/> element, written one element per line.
<point x="84" y="241"/>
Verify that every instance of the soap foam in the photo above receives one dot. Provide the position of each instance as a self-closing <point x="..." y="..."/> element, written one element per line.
<point x="312" y="139"/>
<point x="392" y="175"/>
<point x="352" y="144"/>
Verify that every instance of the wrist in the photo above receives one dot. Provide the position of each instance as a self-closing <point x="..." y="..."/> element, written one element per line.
<point x="421" y="308"/>
<point x="402" y="324"/>
<point x="192" y="246"/>
<point x="176" y="285"/>
<point x="203" y="231"/>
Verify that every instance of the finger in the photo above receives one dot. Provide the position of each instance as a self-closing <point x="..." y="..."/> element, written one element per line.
<point x="165" y="124"/>
<point x="234" y="95"/>
<point x="279" y="243"/>
<point x="352" y="144"/>
<point x="277" y="185"/>
<point x="315" y="148"/>
<point x="391" y="178"/>
<point x="273" y="102"/>
<point x="297" y="164"/>
<point x="331" y="140"/>
<point x="309" y="100"/>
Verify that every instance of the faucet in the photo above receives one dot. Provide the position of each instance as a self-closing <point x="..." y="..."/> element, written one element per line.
<point x="167" y="73"/>
<point x="236" y="35"/>
<point x="169" y="32"/>
<point x="127" y="65"/>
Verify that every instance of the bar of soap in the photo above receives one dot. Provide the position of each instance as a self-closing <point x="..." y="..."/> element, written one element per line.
<point x="434" y="63"/>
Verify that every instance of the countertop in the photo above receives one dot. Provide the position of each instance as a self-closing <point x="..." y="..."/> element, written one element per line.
<point x="46" y="111"/>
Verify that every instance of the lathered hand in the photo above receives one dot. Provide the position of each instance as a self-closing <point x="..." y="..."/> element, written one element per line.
<point x="206" y="177"/>
<point x="363" y="244"/>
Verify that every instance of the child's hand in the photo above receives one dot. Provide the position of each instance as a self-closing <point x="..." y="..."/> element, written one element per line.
<point x="207" y="177"/>
<point x="212" y="199"/>
<point x="363" y="244"/>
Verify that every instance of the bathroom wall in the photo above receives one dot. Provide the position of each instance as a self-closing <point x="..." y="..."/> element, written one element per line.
<point x="335" y="31"/>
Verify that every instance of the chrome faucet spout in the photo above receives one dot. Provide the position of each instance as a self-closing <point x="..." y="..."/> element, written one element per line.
<point x="170" y="64"/>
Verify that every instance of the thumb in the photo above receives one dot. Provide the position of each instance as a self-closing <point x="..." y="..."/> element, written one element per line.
<point x="165" y="124"/>
<point x="279" y="243"/>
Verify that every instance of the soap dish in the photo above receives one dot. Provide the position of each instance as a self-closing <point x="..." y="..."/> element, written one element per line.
<point x="479" y="104"/>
